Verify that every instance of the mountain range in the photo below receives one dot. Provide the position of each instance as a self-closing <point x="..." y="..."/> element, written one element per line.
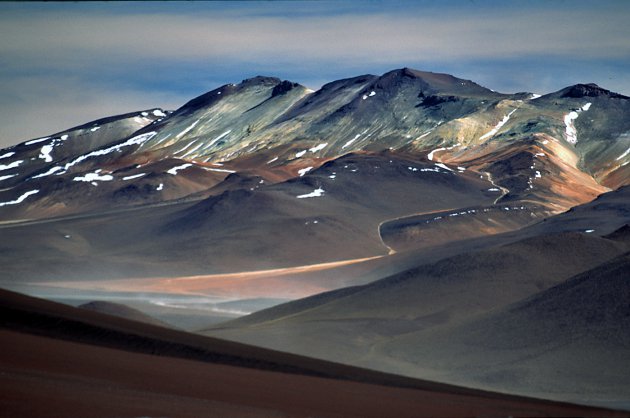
<point x="413" y="223"/>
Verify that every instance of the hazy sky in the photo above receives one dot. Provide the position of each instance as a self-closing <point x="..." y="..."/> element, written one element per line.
<point x="63" y="64"/>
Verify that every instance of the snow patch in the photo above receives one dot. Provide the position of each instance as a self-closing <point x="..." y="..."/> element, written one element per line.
<point x="160" y="187"/>
<point x="185" y="131"/>
<point x="193" y="149"/>
<point x="494" y="189"/>
<point x="623" y="155"/>
<point x="315" y="193"/>
<point x="11" y="165"/>
<point x="135" y="176"/>
<point x="159" y="113"/>
<point x="93" y="177"/>
<point x="7" y="155"/>
<point x="424" y="134"/>
<point x="211" y="143"/>
<point x="539" y="154"/>
<point x="443" y="166"/>
<point x="347" y="144"/>
<point x="220" y="170"/>
<point x="318" y="147"/>
<point x="136" y="140"/>
<point x="7" y="177"/>
<point x="19" y="199"/>
<point x="300" y="154"/>
<point x="49" y="172"/>
<point x="570" y="130"/>
<point x="175" y="169"/>
<point x="588" y="231"/>
<point x="272" y="160"/>
<point x="35" y="141"/>
<point x="94" y="129"/>
<point x="45" y="153"/>
<point x="534" y="96"/>
<point x="498" y="126"/>
<point x="304" y="171"/>
<point x="430" y="156"/>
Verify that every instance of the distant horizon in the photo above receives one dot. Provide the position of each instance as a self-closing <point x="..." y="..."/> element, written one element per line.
<point x="70" y="63"/>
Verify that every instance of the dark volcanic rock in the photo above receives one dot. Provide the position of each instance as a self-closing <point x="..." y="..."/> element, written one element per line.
<point x="590" y="90"/>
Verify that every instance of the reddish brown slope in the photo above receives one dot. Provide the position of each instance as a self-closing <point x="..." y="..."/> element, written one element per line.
<point x="49" y="375"/>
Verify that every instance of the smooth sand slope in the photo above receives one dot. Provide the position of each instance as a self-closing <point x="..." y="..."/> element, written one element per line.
<point x="453" y="320"/>
<point x="61" y="361"/>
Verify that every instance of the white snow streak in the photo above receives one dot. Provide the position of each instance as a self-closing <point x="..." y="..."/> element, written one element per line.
<point x="92" y="177"/>
<point x="19" y="199"/>
<point x="430" y="156"/>
<point x="136" y="140"/>
<point x="534" y="96"/>
<point x="220" y="170"/>
<point x="425" y="134"/>
<point x="94" y="129"/>
<point x="174" y="170"/>
<point x="185" y="131"/>
<point x="135" y="176"/>
<point x="304" y="171"/>
<point x="185" y="148"/>
<point x="315" y="193"/>
<point x="35" y="141"/>
<point x="7" y="177"/>
<point x="300" y="154"/>
<point x="318" y="147"/>
<point x="49" y="172"/>
<point x="272" y="160"/>
<point x="160" y="187"/>
<point x="211" y="143"/>
<point x="7" y="155"/>
<point x="443" y="166"/>
<point x="623" y="155"/>
<point x="498" y="126"/>
<point x="193" y="149"/>
<point x="159" y="113"/>
<point x="588" y="231"/>
<point x="11" y="165"/>
<point x="351" y="141"/>
<point x="570" y="130"/>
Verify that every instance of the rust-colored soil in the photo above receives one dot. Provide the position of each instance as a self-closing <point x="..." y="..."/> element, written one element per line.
<point x="54" y="362"/>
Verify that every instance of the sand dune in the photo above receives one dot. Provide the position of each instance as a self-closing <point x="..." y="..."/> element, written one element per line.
<point x="94" y="365"/>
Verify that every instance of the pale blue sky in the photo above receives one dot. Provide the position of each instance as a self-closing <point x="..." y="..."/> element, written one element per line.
<point x="62" y="64"/>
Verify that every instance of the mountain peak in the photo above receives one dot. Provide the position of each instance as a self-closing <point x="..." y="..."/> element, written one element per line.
<point x="260" y="80"/>
<point x="589" y="90"/>
<point x="434" y="82"/>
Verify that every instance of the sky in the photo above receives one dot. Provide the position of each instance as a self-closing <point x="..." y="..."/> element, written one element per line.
<point x="67" y="63"/>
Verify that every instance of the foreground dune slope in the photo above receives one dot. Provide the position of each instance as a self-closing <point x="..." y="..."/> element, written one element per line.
<point x="61" y="361"/>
